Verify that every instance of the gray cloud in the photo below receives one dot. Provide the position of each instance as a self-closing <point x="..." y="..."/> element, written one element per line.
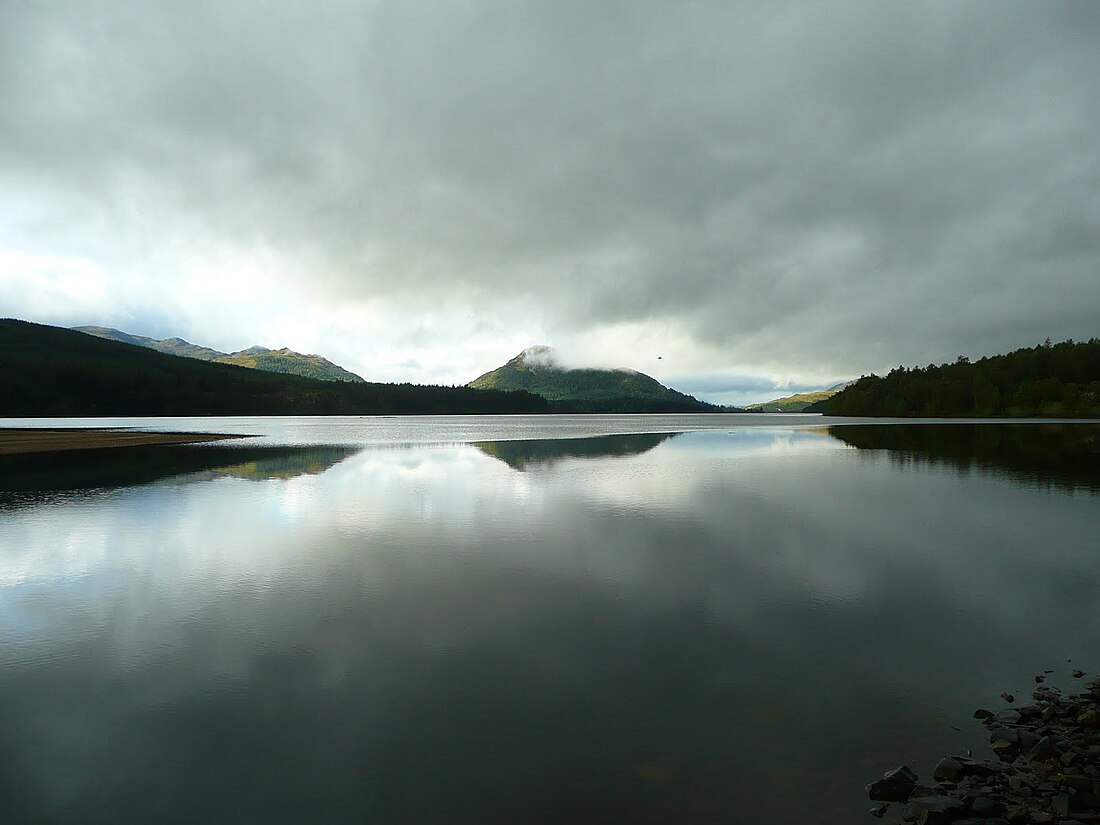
<point x="822" y="188"/>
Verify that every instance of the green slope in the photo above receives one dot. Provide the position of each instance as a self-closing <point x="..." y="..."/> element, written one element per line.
<point x="798" y="402"/>
<point x="49" y="371"/>
<point x="284" y="360"/>
<point x="289" y="362"/>
<point x="537" y="370"/>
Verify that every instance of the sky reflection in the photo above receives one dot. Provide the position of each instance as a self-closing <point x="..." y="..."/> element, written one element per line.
<point x="426" y="632"/>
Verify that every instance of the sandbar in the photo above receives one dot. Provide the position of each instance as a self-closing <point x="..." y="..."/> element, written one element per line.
<point x="41" y="440"/>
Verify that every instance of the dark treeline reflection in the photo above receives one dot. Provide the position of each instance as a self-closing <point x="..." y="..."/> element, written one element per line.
<point x="1061" y="455"/>
<point x="521" y="454"/>
<point x="33" y="478"/>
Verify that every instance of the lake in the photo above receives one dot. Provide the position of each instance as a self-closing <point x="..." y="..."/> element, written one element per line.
<point x="613" y="619"/>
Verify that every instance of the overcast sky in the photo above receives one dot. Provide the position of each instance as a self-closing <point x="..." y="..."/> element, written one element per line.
<point x="765" y="195"/>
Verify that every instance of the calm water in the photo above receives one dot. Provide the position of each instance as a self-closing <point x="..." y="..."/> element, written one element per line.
<point x="529" y="620"/>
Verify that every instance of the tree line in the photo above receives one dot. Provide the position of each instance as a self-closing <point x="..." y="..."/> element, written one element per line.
<point x="1048" y="380"/>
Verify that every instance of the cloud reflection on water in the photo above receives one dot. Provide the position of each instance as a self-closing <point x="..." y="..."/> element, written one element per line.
<point x="423" y="632"/>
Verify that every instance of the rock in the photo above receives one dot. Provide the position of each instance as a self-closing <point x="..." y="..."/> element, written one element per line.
<point x="1062" y="804"/>
<point x="1006" y="751"/>
<point x="880" y="811"/>
<point x="1090" y="718"/>
<point x="1057" y="780"/>
<point x="984" y="806"/>
<point x="1007" y="734"/>
<point x="1008" y="697"/>
<point x="933" y="818"/>
<point x="1077" y="674"/>
<point x="1079" y="783"/>
<point x="895" y="786"/>
<point x="1028" y="739"/>
<point x="1045" y="749"/>
<point x="1086" y="802"/>
<point x="932" y="810"/>
<point x="954" y="768"/>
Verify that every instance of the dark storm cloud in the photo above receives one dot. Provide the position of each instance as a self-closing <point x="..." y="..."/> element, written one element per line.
<point x="831" y="187"/>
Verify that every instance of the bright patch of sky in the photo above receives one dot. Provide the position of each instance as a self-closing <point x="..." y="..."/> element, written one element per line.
<point x="739" y="199"/>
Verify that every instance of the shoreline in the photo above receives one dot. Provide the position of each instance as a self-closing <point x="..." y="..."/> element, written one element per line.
<point x="23" y="441"/>
<point x="1046" y="768"/>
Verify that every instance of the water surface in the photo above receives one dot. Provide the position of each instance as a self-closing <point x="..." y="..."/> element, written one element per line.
<point x="408" y="622"/>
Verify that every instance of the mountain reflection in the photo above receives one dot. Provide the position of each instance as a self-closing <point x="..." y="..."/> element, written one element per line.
<point x="1066" y="456"/>
<point x="30" y="479"/>
<point x="421" y="635"/>
<point x="521" y="454"/>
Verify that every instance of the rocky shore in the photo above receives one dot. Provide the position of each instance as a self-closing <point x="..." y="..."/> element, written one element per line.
<point x="1046" y="770"/>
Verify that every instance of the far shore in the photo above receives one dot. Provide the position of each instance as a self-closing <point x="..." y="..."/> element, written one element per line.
<point x="32" y="440"/>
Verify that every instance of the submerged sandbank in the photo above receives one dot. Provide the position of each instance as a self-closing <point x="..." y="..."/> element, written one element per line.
<point x="36" y="440"/>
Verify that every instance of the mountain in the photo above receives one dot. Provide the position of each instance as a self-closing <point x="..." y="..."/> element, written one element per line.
<point x="1047" y="380"/>
<point x="283" y="360"/>
<point x="169" y="346"/>
<point x="538" y="370"/>
<point x="798" y="402"/>
<point x="291" y="363"/>
<point x="50" y="371"/>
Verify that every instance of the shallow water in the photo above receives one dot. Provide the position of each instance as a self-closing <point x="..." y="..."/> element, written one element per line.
<point x="476" y="620"/>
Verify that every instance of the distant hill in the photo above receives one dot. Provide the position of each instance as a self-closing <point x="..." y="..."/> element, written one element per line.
<point x="49" y="371"/>
<point x="169" y="346"/>
<point x="284" y="360"/>
<point x="1047" y="380"/>
<point x="798" y="402"/>
<point x="538" y="370"/>
<point x="289" y="362"/>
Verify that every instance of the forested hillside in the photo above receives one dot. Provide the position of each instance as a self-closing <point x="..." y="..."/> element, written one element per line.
<point x="49" y="371"/>
<point x="1047" y="380"/>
